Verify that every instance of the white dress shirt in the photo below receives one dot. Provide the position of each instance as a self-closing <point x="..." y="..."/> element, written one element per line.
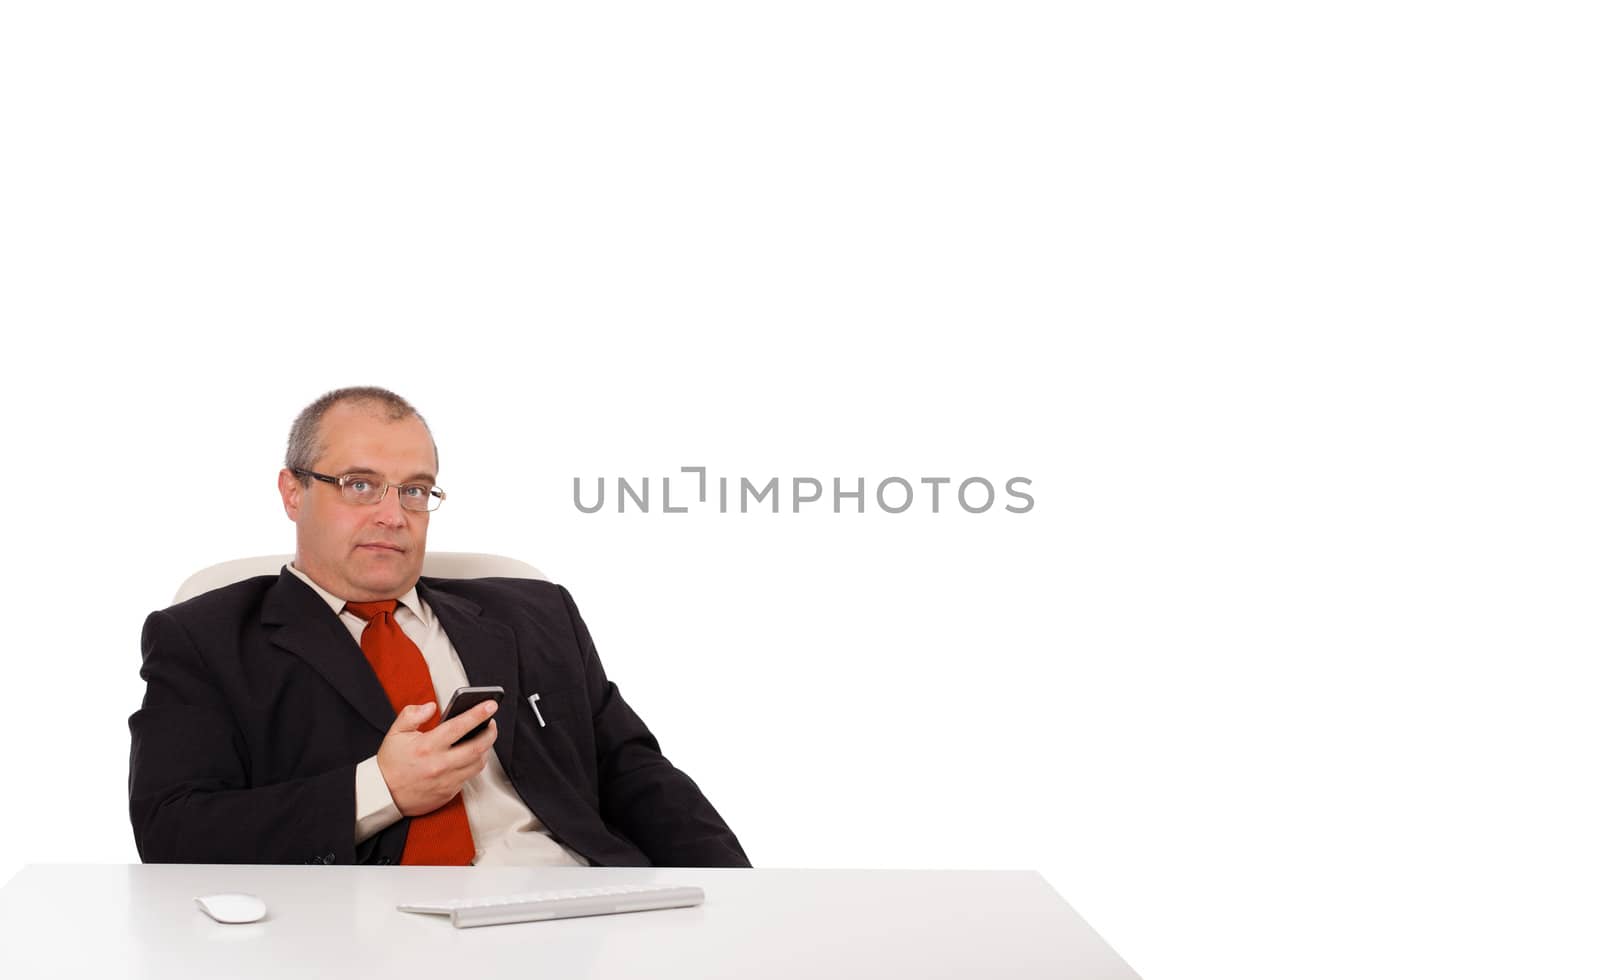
<point x="504" y="830"/>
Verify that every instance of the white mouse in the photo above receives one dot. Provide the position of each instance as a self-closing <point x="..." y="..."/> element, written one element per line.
<point x="232" y="907"/>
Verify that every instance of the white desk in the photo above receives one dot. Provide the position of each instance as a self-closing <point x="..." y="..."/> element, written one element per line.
<point x="141" y="921"/>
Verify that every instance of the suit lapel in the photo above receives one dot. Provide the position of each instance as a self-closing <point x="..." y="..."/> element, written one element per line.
<point x="488" y="652"/>
<point x="301" y="623"/>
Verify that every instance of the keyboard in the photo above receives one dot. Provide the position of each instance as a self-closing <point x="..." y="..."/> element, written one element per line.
<point x="496" y="910"/>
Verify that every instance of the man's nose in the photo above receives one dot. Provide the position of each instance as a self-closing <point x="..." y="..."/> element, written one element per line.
<point x="390" y="513"/>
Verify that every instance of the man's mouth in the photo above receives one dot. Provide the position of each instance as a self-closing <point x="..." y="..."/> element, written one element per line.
<point x="381" y="546"/>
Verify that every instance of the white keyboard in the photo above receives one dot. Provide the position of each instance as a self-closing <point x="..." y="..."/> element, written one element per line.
<point x="532" y="906"/>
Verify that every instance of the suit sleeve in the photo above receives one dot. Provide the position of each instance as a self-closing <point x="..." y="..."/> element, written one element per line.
<point x="190" y="793"/>
<point x="647" y="798"/>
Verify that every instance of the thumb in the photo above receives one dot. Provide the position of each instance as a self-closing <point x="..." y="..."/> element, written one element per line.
<point x="411" y="716"/>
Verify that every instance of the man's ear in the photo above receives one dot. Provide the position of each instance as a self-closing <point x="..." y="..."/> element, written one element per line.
<point x="289" y="489"/>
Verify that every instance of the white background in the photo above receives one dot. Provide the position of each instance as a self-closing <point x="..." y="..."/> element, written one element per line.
<point x="1287" y="311"/>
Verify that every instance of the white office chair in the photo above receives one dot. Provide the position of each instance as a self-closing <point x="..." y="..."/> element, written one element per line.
<point x="437" y="564"/>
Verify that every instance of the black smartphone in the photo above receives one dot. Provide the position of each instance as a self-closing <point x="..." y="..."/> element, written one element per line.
<point x="469" y="697"/>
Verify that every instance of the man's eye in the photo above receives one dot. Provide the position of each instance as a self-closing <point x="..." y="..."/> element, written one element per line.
<point x="359" y="485"/>
<point x="416" y="491"/>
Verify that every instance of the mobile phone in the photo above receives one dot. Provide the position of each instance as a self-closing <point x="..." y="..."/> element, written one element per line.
<point x="470" y="697"/>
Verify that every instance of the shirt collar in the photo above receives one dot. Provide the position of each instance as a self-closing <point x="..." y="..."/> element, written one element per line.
<point x="410" y="600"/>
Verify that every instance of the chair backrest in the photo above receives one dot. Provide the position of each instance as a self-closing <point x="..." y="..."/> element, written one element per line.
<point x="436" y="564"/>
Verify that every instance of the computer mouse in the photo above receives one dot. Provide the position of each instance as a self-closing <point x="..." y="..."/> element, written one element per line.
<point x="232" y="907"/>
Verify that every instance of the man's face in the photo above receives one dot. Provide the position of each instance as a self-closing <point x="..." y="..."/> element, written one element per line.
<point x="362" y="553"/>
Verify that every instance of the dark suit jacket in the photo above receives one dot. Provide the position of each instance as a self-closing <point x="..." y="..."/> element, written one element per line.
<point x="258" y="706"/>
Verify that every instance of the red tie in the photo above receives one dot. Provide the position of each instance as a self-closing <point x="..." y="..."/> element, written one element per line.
<point x="443" y="836"/>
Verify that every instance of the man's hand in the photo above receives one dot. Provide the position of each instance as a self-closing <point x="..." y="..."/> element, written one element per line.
<point x="422" y="770"/>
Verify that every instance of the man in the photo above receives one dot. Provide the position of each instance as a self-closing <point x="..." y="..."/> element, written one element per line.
<point x="295" y="718"/>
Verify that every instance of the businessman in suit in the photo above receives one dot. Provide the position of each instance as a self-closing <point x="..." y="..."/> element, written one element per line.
<point x="295" y="719"/>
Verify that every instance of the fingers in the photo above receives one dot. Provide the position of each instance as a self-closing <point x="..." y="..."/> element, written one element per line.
<point x="424" y="769"/>
<point x="470" y="754"/>
<point x="483" y="742"/>
<point x="412" y="716"/>
<point x="453" y="767"/>
<point x="452" y="730"/>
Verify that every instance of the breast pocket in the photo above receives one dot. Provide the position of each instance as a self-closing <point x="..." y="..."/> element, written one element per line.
<point x="554" y="722"/>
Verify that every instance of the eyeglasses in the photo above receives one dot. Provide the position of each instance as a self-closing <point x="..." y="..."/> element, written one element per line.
<point x="365" y="491"/>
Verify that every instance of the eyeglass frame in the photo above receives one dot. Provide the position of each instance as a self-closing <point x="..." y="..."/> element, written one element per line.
<point x="339" y="481"/>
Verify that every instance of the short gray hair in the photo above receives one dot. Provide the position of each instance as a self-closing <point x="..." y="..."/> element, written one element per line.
<point x="305" y="436"/>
